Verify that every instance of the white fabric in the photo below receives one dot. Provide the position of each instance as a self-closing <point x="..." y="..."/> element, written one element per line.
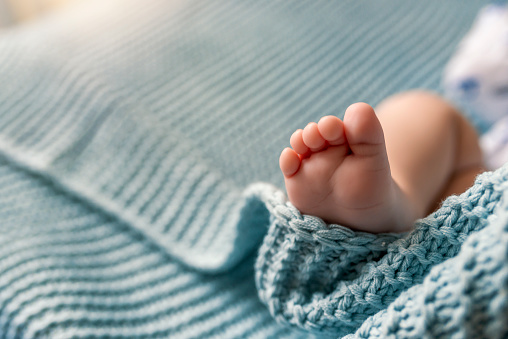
<point x="477" y="77"/>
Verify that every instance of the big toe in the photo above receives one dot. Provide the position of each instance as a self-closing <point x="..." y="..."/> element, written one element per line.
<point x="363" y="130"/>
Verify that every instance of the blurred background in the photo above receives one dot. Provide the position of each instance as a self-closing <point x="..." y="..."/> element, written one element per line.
<point x="14" y="11"/>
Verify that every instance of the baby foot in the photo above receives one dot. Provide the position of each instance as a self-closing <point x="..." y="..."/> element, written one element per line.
<point x="339" y="171"/>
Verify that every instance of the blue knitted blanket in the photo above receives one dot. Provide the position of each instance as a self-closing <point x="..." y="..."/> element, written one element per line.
<point x="140" y="195"/>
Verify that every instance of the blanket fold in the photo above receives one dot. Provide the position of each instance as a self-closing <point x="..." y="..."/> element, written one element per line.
<point x="116" y="157"/>
<point x="94" y="139"/>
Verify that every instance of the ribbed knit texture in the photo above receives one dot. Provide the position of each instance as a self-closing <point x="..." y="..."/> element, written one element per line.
<point x="131" y="133"/>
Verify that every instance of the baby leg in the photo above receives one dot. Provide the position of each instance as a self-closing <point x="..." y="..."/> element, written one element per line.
<point x="432" y="149"/>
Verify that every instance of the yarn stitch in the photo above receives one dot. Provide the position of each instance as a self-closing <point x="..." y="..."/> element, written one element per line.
<point x="328" y="279"/>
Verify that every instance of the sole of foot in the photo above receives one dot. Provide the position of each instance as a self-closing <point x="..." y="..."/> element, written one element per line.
<point x="338" y="170"/>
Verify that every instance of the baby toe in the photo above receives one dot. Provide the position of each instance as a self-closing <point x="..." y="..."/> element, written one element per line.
<point x="289" y="162"/>
<point x="297" y="143"/>
<point x="331" y="129"/>
<point x="312" y="138"/>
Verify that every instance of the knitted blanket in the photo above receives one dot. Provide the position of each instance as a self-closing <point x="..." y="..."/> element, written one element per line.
<point x="447" y="278"/>
<point x="133" y="139"/>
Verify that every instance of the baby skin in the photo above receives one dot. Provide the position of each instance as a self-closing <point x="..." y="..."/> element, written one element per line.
<point x="379" y="171"/>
